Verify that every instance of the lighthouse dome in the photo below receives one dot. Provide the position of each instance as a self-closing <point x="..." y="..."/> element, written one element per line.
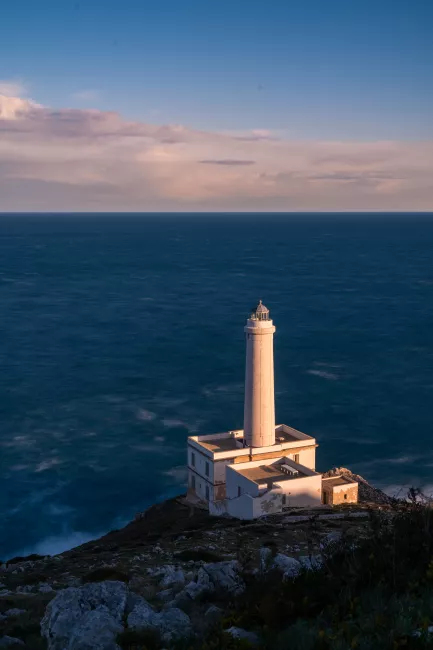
<point x="261" y="312"/>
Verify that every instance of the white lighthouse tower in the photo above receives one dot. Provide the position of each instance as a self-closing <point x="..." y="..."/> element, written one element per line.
<point x="259" y="405"/>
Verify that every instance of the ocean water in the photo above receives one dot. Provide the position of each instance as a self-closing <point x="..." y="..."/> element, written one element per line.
<point x="122" y="335"/>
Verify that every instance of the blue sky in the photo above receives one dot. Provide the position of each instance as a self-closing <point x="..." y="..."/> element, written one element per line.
<point x="328" y="69"/>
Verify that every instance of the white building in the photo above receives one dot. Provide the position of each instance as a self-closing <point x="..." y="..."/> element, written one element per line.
<point x="264" y="467"/>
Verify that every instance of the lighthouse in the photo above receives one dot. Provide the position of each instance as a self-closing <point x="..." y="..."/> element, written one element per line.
<point x="265" y="467"/>
<point x="259" y="402"/>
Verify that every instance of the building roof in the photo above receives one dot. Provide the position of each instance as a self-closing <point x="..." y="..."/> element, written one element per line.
<point x="261" y="309"/>
<point x="233" y="441"/>
<point x="219" y="444"/>
<point x="334" y="481"/>
<point x="264" y="473"/>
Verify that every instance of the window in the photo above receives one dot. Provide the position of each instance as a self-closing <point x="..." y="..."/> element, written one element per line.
<point x="207" y="469"/>
<point x="207" y="492"/>
<point x="345" y="496"/>
<point x="284" y="499"/>
<point x="296" y="458"/>
<point x="239" y="490"/>
<point x="193" y="459"/>
<point x="193" y="482"/>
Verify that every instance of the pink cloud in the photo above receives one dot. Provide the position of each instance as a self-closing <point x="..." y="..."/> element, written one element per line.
<point x="93" y="160"/>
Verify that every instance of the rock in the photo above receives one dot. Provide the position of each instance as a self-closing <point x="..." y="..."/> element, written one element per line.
<point x="97" y="631"/>
<point x="142" y="615"/>
<point x="311" y="563"/>
<point x="289" y="566"/>
<point x="15" y="612"/>
<point x="265" y="558"/>
<point x="174" y="624"/>
<point x="172" y="576"/>
<point x="195" y="589"/>
<point x="45" y="588"/>
<point x="244" y="635"/>
<point x="66" y="612"/>
<point x="212" y="576"/>
<point x="165" y="595"/>
<point x="213" y="614"/>
<point x="8" y="641"/>
<point x="171" y="623"/>
<point x="5" y="592"/>
<point x="225" y="575"/>
<point x="25" y="589"/>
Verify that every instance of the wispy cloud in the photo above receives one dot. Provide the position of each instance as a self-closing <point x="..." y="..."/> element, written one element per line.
<point x="12" y="88"/>
<point x="228" y="161"/>
<point x="74" y="159"/>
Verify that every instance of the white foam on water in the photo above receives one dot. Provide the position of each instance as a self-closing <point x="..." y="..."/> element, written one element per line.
<point x="146" y="416"/>
<point x="323" y="374"/>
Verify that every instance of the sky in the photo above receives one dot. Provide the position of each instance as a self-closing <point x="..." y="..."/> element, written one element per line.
<point x="216" y="105"/>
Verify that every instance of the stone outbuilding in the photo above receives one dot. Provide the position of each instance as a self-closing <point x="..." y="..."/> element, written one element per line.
<point x="339" y="489"/>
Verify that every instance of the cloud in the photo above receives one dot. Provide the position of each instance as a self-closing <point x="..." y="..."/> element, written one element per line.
<point x="12" y="88"/>
<point x="85" y="160"/>
<point x="228" y="161"/>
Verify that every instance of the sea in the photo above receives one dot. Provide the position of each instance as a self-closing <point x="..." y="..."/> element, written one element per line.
<point x="121" y="335"/>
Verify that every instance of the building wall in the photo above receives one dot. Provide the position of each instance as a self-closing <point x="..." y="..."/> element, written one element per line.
<point x="234" y="480"/>
<point x="350" y="491"/>
<point x="303" y="491"/>
<point x="305" y="451"/>
<point x="307" y="457"/>
<point x="197" y="474"/>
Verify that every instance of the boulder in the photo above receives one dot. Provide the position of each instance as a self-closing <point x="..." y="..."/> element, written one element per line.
<point x="25" y="589"/>
<point x="8" y="641"/>
<point x="265" y="558"/>
<point x="142" y="615"/>
<point x="243" y="635"/>
<point x="289" y="566"/>
<point x="172" y="576"/>
<point x="15" y="612"/>
<point x="45" y="588"/>
<point x="213" y="614"/>
<point x="174" y="624"/>
<point x="97" y="631"/>
<point x="171" y="623"/>
<point x="224" y="575"/>
<point x="165" y="595"/>
<point x="65" y="614"/>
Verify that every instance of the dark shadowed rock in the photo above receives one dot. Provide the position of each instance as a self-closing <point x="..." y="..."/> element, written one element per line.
<point x="65" y="615"/>
<point x="171" y="623"/>
<point x="9" y="641"/>
<point x="97" y="631"/>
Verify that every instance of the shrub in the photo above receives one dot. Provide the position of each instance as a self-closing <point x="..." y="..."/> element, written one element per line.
<point x="198" y="555"/>
<point x="139" y="640"/>
<point x="106" y="573"/>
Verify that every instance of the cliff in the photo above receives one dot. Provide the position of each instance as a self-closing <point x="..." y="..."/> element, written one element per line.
<point x="173" y="577"/>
